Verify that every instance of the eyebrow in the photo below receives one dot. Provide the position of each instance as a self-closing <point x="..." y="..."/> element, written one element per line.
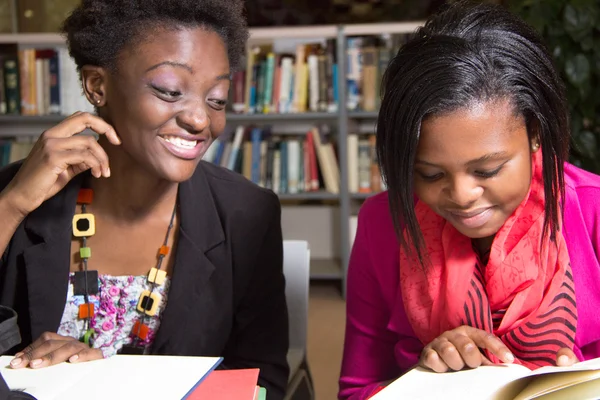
<point x="222" y="77"/>
<point x="171" y="64"/>
<point x="488" y="157"/>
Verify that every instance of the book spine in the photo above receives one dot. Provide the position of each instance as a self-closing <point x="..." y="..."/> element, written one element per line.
<point x="12" y="86"/>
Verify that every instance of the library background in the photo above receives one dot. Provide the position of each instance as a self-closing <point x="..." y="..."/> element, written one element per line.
<point x="301" y="117"/>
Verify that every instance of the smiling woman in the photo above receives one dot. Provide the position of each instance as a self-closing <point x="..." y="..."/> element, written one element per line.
<point x="485" y="247"/>
<point x="187" y="256"/>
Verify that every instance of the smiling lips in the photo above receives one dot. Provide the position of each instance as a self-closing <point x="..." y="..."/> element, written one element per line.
<point x="472" y="219"/>
<point x="187" y="148"/>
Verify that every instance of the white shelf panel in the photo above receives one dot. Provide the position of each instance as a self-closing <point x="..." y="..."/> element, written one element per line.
<point x="381" y="28"/>
<point x="33" y="38"/>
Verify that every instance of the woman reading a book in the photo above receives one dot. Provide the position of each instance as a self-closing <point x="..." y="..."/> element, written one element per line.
<point x="129" y="243"/>
<point x="485" y="247"/>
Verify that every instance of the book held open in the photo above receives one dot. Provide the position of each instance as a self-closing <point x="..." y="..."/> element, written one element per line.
<point x="580" y="381"/>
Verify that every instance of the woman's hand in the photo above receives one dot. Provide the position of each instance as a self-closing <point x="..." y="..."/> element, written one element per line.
<point x="58" y="155"/>
<point x="52" y="348"/>
<point x="565" y="357"/>
<point x="459" y="348"/>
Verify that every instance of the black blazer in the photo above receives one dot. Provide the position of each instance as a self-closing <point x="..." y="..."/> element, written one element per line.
<point x="227" y="295"/>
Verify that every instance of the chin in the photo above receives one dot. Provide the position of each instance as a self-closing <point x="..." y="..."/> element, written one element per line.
<point x="479" y="233"/>
<point x="177" y="172"/>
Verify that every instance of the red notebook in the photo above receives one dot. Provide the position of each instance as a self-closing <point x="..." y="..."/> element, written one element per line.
<point x="230" y="384"/>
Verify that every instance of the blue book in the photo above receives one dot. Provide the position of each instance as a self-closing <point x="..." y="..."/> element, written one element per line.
<point x="255" y="137"/>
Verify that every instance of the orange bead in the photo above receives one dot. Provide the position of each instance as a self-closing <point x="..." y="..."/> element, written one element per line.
<point x="86" y="310"/>
<point x="164" y="250"/>
<point x="85" y="196"/>
<point x="140" y="330"/>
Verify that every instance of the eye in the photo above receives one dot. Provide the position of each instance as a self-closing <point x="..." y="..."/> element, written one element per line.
<point x="488" y="174"/>
<point x="218" y="104"/>
<point x="431" y="178"/>
<point x="169" y="94"/>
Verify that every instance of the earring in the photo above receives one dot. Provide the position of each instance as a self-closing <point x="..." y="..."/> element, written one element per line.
<point x="98" y="101"/>
<point x="535" y="146"/>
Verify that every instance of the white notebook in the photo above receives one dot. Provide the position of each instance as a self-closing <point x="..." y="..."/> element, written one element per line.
<point x="118" y="377"/>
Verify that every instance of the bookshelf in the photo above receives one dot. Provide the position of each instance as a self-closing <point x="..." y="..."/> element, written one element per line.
<point x="342" y="121"/>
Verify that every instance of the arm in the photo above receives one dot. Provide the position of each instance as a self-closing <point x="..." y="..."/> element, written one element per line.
<point x="369" y="346"/>
<point x="260" y="336"/>
<point x="11" y="218"/>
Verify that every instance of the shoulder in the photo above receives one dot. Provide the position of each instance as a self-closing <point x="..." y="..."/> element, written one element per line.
<point x="376" y="208"/>
<point x="234" y="193"/>
<point x="375" y="228"/>
<point x="582" y="186"/>
<point x="577" y="178"/>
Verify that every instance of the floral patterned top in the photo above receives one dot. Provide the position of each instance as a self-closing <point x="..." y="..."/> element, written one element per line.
<point x="116" y="312"/>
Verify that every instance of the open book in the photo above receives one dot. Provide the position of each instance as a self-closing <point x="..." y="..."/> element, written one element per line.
<point x="499" y="382"/>
<point x="118" y="377"/>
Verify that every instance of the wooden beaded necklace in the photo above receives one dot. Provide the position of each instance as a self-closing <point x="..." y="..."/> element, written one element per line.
<point x="85" y="282"/>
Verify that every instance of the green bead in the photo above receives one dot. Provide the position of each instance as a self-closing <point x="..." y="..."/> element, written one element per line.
<point x="87" y="336"/>
<point x="85" y="252"/>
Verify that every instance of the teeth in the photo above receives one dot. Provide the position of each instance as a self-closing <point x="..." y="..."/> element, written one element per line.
<point x="177" y="141"/>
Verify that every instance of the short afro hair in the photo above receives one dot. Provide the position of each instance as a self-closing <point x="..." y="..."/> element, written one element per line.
<point x="97" y="30"/>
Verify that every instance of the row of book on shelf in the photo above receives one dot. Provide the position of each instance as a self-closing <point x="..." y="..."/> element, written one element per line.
<point x="41" y="81"/>
<point x="290" y="164"/>
<point x="45" y="81"/>
<point x="283" y="81"/>
<point x="286" y="164"/>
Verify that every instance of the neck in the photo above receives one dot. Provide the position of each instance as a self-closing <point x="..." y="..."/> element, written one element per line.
<point x="483" y="245"/>
<point x="131" y="193"/>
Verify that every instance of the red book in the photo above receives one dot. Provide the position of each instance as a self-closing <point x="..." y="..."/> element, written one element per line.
<point x="230" y="384"/>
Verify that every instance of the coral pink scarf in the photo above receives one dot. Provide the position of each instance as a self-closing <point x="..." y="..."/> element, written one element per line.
<point x="524" y="295"/>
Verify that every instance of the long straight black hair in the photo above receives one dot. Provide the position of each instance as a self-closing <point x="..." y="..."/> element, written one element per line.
<point x="466" y="54"/>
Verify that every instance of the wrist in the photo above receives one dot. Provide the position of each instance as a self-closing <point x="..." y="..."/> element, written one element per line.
<point x="11" y="207"/>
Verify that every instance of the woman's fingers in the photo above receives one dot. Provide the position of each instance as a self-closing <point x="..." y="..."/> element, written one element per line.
<point x="86" y="145"/>
<point x="52" y="348"/>
<point x="565" y="357"/>
<point x="461" y="347"/>
<point x="490" y="342"/>
<point x="81" y="121"/>
<point x="432" y="360"/>
<point x="86" y="355"/>
<point x="46" y="343"/>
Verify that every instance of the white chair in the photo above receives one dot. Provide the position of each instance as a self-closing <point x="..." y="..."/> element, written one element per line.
<point x="296" y="268"/>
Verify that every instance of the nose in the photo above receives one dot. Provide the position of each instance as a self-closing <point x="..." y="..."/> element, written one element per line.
<point x="194" y="119"/>
<point x="464" y="191"/>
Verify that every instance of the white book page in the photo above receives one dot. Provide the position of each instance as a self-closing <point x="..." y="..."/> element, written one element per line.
<point x="483" y="383"/>
<point x="118" y="377"/>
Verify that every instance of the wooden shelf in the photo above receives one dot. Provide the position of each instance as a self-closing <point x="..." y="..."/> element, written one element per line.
<point x="325" y="269"/>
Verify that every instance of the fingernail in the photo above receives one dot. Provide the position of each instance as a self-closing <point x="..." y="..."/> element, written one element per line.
<point x="562" y="360"/>
<point x="73" y="358"/>
<point x="17" y="361"/>
<point x="36" y="362"/>
<point x="107" y="172"/>
<point x="509" y="357"/>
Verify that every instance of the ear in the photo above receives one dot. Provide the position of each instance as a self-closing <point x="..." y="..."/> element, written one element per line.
<point x="534" y="135"/>
<point x="93" y="79"/>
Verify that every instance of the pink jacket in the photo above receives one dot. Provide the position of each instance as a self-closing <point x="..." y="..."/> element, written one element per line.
<point x="380" y="344"/>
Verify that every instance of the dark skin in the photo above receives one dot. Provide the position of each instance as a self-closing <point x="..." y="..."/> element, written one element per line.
<point x="160" y="110"/>
<point x="473" y="168"/>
